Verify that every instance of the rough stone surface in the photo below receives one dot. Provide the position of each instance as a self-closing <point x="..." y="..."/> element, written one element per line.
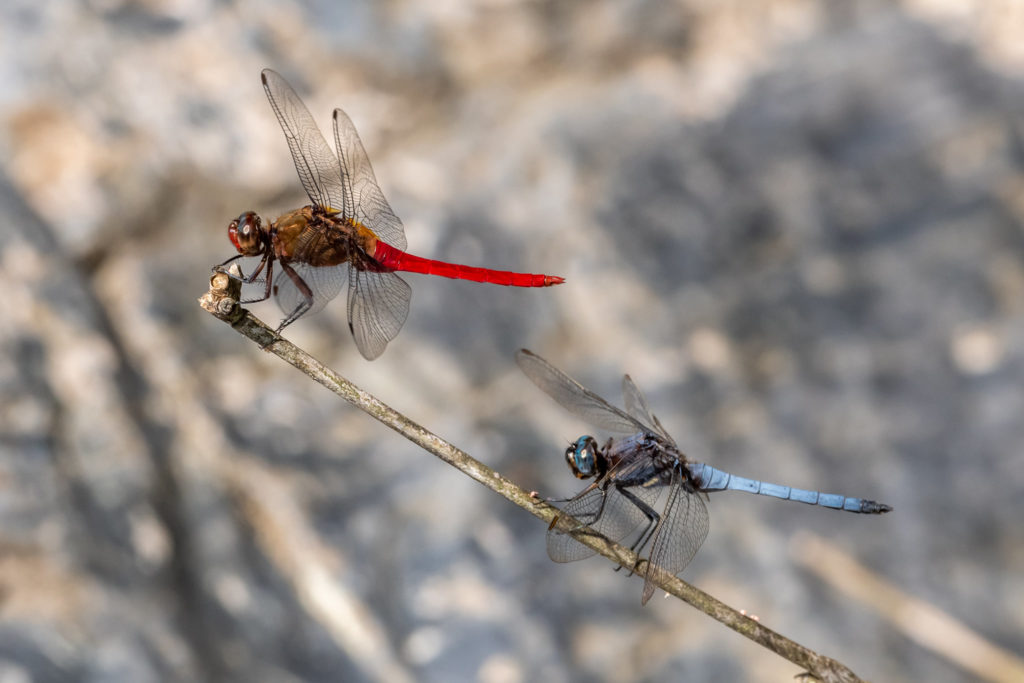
<point x="798" y="228"/>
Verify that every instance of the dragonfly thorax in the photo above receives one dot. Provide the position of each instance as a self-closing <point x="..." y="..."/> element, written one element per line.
<point x="585" y="459"/>
<point x="247" y="234"/>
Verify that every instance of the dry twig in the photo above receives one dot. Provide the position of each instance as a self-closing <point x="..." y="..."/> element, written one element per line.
<point x="221" y="300"/>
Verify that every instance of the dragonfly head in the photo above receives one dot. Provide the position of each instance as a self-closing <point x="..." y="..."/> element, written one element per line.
<point x="584" y="458"/>
<point x="247" y="234"/>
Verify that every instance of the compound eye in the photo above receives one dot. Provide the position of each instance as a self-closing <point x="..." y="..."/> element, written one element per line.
<point x="245" y="232"/>
<point x="246" y="226"/>
<point x="233" y="235"/>
<point x="252" y="225"/>
<point x="582" y="457"/>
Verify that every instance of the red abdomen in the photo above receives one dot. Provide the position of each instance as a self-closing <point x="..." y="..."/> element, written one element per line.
<point x="395" y="259"/>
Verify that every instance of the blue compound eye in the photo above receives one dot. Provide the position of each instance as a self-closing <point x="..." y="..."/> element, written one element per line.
<point x="582" y="457"/>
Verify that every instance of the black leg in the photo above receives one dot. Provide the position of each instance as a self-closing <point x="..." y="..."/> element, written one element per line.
<point x="220" y="267"/>
<point x="652" y="523"/>
<point x="247" y="279"/>
<point x="304" y="289"/>
<point x="649" y="513"/>
<point x="269" y="263"/>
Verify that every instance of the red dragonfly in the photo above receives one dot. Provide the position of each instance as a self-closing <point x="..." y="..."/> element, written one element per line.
<point x="349" y="233"/>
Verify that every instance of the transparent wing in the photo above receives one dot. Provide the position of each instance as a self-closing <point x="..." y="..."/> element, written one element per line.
<point x="318" y="167"/>
<point x="680" y="533"/>
<point x="636" y="406"/>
<point x="366" y="202"/>
<point x="378" y="304"/>
<point x="576" y="398"/>
<point x="325" y="284"/>
<point x="609" y="512"/>
<point x="613" y="511"/>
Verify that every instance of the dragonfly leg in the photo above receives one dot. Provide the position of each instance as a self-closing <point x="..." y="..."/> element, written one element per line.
<point x="307" y="297"/>
<point x="558" y="500"/>
<point x="269" y="263"/>
<point x="652" y="521"/>
<point x="591" y="518"/>
<point x="219" y="268"/>
<point x="586" y="519"/>
<point x="594" y="485"/>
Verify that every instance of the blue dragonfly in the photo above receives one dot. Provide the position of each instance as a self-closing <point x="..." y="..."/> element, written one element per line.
<point x="632" y="472"/>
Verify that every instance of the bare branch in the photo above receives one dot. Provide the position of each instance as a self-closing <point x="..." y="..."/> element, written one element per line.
<point x="221" y="301"/>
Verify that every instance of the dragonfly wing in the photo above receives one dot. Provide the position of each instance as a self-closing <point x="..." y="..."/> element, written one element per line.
<point x="576" y="398"/>
<point x="586" y="508"/>
<point x="325" y="283"/>
<point x="366" y="202"/>
<point x="608" y="512"/>
<point x="378" y="304"/>
<point x="636" y="405"/>
<point x="318" y="167"/>
<point x="680" y="533"/>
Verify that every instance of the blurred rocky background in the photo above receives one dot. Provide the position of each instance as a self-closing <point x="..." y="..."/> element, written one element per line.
<point x="796" y="224"/>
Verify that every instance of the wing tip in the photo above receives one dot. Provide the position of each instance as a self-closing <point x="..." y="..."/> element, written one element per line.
<point x="523" y="359"/>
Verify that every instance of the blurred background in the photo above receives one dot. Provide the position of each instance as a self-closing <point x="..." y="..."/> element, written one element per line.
<point x="797" y="225"/>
